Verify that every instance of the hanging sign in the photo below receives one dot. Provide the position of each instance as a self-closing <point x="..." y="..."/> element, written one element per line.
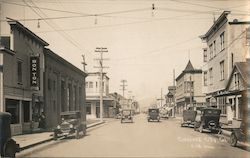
<point x="34" y="72"/>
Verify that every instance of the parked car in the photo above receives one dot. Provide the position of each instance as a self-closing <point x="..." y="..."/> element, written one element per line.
<point x="188" y="117"/>
<point x="153" y="114"/>
<point x="71" y="124"/>
<point x="127" y="115"/>
<point x="241" y="134"/>
<point x="8" y="147"/>
<point x="208" y="118"/>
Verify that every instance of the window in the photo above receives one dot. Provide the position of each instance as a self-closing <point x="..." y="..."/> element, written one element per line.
<point x="211" y="76"/>
<point x="214" y="47"/>
<point x="54" y="85"/>
<point x="96" y="84"/>
<point x="222" y="41"/>
<point x="222" y="105"/>
<point x="12" y="106"/>
<point x="90" y="84"/>
<point x="205" y="55"/>
<point x="211" y="51"/>
<point x="19" y="72"/>
<point x="236" y="81"/>
<point x="205" y="78"/>
<point x="222" y="74"/>
<point x="86" y="84"/>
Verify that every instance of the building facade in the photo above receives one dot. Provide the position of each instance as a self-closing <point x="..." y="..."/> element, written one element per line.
<point x="22" y="69"/>
<point x="170" y="100"/>
<point x="93" y="96"/>
<point x="189" y="89"/>
<point x="64" y="88"/>
<point x="227" y="42"/>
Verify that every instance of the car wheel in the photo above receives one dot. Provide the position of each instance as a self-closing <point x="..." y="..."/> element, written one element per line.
<point x="9" y="149"/>
<point x="77" y="134"/>
<point x="233" y="140"/>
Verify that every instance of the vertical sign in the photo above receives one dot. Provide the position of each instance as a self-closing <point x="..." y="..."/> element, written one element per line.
<point x="34" y="72"/>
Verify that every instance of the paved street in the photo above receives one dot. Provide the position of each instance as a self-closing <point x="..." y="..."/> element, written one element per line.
<point x="139" y="139"/>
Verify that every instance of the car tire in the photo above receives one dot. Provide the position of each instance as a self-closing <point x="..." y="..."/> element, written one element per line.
<point x="233" y="140"/>
<point x="9" y="149"/>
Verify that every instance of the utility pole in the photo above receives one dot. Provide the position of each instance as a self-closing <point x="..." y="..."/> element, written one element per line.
<point x="84" y="63"/>
<point x="161" y="97"/>
<point x="101" y="50"/>
<point x="123" y="85"/>
<point x="174" y="92"/>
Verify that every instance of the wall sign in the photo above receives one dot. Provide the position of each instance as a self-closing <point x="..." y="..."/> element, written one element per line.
<point x="35" y="72"/>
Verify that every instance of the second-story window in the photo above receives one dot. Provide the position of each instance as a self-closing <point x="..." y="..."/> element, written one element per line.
<point x="211" y="51"/>
<point x="222" y="73"/>
<point x="205" y="55"/>
<point x="236" y="81"/>
<point x="86" y="84"/>
<point x="19" y="71"/>
<point x="222" y="41"/>
<point x="205" y="78"/>
<point x="90" y="84"/>
<point x="211" y="76"/>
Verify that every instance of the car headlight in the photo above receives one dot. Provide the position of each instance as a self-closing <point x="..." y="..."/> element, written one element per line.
<point x="71" y="126"/>
<point x="58" y="127"/>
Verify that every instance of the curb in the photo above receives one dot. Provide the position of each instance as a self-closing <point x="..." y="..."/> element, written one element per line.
<point x="50" y="139"/>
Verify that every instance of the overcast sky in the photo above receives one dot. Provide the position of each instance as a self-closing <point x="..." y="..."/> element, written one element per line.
<point x="144" y="45"/>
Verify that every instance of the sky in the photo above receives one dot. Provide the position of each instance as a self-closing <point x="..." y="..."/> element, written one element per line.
<point x="144" y="44"/>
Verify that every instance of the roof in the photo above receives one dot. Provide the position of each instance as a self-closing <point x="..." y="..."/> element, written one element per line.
<point x="189" y="69"/>
<point x="5" y="115"/>
<point x="214" y="27"/>
<point x="243" y="69"/>
<point x="189" y="66"/>
<point x="19" y="26"/>
<point x="97" y="73"/>
<point x="48" y="52"/>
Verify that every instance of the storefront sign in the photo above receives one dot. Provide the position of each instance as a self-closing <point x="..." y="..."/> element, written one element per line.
<point x="34" y="72"/>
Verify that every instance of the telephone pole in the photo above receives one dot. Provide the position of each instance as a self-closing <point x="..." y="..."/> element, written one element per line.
<point x="123" y="85"/>
<point x="84" y="63"/>
<point x="101" y="50"/>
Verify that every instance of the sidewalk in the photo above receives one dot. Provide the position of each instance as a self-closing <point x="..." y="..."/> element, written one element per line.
<point x="27" y="141"/>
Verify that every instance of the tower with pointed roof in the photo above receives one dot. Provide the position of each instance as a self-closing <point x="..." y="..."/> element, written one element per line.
<point x="189" y="88"/>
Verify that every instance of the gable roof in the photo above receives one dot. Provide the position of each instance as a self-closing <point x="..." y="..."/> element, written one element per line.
<point x="189" y="66"/>
<point x="244" y="71"/>
<point x="189" y="69"/>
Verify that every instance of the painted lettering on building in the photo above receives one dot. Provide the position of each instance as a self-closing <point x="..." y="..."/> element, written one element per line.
<point x="34" y="72"/>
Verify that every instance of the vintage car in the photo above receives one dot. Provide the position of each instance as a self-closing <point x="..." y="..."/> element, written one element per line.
<point x="71" y="124"/>
<point x="208" y="118"/>
<point x="127" y="115"/>
<point x="188" y="118"/>
<point x="8" y="147"/>
<point x="153" y="114"/>
<point x="240" y="134"/>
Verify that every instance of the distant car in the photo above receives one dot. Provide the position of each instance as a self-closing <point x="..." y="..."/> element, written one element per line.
<point x="241" y="134"/>
<point x="71" y="124"/>
<point x="127" y="115"/>
<point x="153" y="114"/>
<point x="208" y="118"/>
<point x="188" y="117"/>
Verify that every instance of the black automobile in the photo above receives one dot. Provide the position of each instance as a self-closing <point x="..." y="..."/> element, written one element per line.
<point x="240" y="134"/>
<point x="127" y="115"/>
<point x="71" y="124"/>
<point x="188" y="117"/>
<point x="8" y="147"/>
<point x="208" y="118"/>
<point x="153" y="114"/>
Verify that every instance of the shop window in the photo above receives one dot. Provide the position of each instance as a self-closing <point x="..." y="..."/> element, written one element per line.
<point x="26" y="111"/>
<point x="12" y="106"/>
